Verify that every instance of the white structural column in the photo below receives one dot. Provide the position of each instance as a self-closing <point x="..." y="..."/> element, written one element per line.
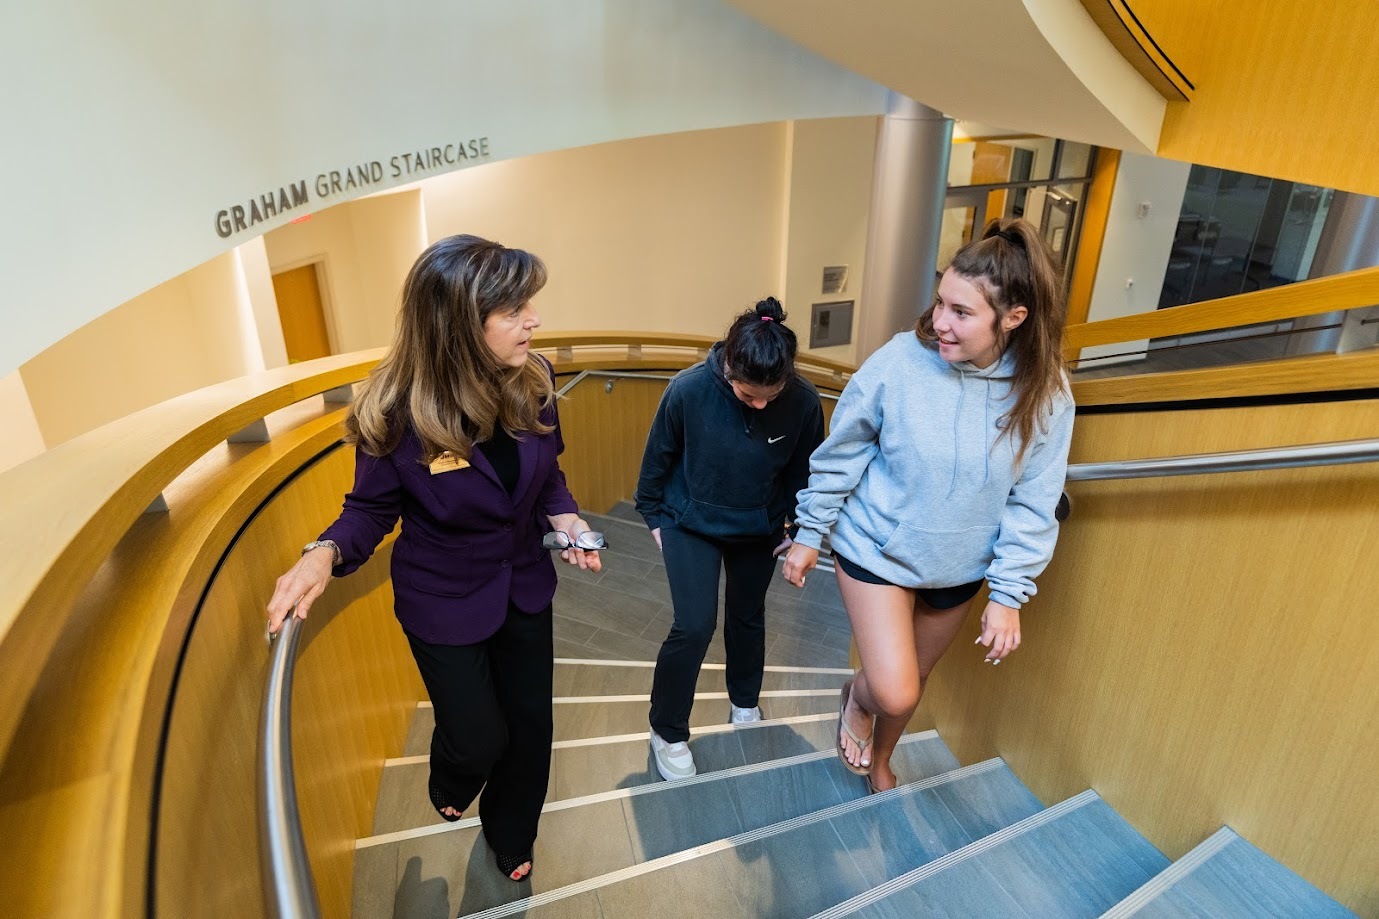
<point x="1349" y="241"/>
<point x="909" y="184"/>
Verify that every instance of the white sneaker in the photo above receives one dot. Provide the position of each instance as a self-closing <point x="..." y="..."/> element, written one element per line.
<point x="673" y="760"/>
<point x="745" y="715"/>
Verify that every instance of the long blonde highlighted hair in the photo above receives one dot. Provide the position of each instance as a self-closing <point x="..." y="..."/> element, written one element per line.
<point x="440" y="378"/>
<point x="1011" y="265"/>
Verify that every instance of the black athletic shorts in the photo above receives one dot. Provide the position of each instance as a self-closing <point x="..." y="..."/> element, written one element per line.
<point x="936" y="597"/>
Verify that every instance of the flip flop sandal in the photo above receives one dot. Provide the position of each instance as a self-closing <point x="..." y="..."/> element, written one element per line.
<point x="510" y="863"/>
<point x="439" y="802"/>
<point x="844" y="729"/>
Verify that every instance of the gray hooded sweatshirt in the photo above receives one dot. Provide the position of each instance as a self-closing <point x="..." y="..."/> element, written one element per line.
<point x="920" y="488"/>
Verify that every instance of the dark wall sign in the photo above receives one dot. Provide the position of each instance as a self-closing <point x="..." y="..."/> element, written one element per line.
<point x="240" y="217"/>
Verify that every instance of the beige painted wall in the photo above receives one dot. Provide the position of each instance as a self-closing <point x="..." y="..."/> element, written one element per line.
<point x="23" y="439"/>
<point x="671" y="233"/>
<point x="258" y="282"/>
<point x="830" y="172"/>
<point x="675" y="233"/>
<point x="366" y="246"/>
<point x="195" y="330"/>
<point x="312" y="92"/>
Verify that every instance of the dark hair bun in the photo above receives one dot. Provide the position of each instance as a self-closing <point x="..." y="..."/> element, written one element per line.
<point x="760" y="348"/>
<point x="770" y="308"/>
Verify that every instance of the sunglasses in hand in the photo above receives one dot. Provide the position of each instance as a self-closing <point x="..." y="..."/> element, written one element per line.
<point x="589" y="540"/>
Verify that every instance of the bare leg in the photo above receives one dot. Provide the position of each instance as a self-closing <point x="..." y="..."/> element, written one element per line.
<point x="934" y="631"/>
<point x="887" y="685"/>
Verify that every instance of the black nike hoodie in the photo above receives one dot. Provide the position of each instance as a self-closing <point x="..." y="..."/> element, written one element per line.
<point x="720" y="468"/>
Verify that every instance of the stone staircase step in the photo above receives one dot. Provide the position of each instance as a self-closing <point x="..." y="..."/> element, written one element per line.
<point x="615" y="829"/>
<point x="590" y="677"/>
<point x="596" y="764"/>
<point x="597" y="716"/>
<point x="1073" y="860"/>
<point x="790" y="868"/>
<point x="1227" y="878"/>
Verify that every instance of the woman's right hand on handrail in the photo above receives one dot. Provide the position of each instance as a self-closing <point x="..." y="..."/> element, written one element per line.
<point x="300" y="586"/>
<point x="799" y="561"/>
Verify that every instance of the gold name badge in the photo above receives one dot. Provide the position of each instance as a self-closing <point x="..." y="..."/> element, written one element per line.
<point x="448" y="462"/>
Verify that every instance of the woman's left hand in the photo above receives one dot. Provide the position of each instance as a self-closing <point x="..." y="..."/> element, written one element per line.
<point x="572" y="525"/>
<point x="1000" y="631"/>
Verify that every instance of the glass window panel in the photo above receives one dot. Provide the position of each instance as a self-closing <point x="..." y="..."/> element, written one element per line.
<point x="1075" y="162"/>
<point x="1239" y="233"/>
<point x="960" y="163"/>
<point x="957" y="228"/>
<point x="994" y="162"/>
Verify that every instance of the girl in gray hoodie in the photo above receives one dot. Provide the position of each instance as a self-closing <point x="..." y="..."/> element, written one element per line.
<point x="944" y="465"/>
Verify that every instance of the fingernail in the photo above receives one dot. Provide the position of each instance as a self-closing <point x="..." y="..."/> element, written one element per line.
<point x="995" y="662"/>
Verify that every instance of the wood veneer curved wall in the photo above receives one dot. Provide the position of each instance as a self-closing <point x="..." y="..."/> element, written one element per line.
<point x="1198" y="651"/>
<point x="116" y="625"/>
<point x="1202" y="682"/>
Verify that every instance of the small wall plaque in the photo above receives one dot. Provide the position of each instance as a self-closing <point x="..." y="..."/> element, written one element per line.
<point x="831" y="324"/>
<point x="835" y="279"/>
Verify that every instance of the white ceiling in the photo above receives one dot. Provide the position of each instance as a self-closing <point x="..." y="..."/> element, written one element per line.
<point x="1036" y="66"/>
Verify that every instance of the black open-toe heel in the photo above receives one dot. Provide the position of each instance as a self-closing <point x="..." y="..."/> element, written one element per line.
<point x="439" y="802"/>
<point x="510" y="863"/>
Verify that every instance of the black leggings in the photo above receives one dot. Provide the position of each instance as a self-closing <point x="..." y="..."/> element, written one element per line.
<point x="693" y="563"/>
<point x="936" y="597"/>
<point x="493" y="730"/>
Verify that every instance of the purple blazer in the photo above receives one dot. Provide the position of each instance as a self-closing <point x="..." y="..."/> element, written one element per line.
<point x="467" y="549"/>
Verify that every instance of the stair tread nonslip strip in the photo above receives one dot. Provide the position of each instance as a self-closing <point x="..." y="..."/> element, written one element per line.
<point x="881" y="891"/>
<point x="1160" y="883"/>
<point x="635" y="790"/>
<point x="775" y="829"/>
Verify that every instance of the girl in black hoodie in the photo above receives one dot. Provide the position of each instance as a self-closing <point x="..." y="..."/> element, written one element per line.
<point x="726" y="454"/>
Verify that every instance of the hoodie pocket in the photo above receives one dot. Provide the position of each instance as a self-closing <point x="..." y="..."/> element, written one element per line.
<point x="943" y="558"/>
<point x="716" y="520"/>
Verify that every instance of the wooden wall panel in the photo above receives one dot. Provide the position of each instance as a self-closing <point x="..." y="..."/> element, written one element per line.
<point x="605" y="433"/>
<point x="1281" y="89"/>
<point x="1199" y="649"/>
<point x="355" y="690"/>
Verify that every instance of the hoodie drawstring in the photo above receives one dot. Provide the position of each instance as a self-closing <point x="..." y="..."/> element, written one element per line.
<point x="988" y="440"/>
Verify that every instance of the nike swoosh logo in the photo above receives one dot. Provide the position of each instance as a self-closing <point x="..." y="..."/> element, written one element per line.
<point x="771" y="440"/>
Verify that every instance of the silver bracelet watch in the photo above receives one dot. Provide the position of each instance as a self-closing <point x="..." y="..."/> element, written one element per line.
<point x="318" y="543"/>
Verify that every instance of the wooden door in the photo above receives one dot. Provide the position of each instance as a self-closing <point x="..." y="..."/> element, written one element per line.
<point x="302" y="313"/>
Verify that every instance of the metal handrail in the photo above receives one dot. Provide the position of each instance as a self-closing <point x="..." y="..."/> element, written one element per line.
<point x="1330" y="454"/>
<point x="289" y="888"/>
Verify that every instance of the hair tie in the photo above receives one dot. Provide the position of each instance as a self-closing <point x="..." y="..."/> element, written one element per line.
<point x="1013" y="238"/>
<point x="765" y="318"/>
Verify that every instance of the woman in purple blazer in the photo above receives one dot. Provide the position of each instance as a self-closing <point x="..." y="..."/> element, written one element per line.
<point x="456" y="433"/>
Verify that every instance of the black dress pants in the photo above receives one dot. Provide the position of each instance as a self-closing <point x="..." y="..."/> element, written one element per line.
<point x="492" y="702"/>
<point x="692" y="567"/>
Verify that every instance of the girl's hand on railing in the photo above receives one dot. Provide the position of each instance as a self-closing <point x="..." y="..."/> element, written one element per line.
<point x="1000" y="631"/>
<point x="301" y="585"/>
<point x="799" y="561"/>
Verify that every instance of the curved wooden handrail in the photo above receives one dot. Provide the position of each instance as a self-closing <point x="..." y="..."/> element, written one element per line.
<point x="1128" y="34"/>
<point x="1313" y="373"/>
<point x="1291" y="301"/>
<point x="570" y="340"/>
